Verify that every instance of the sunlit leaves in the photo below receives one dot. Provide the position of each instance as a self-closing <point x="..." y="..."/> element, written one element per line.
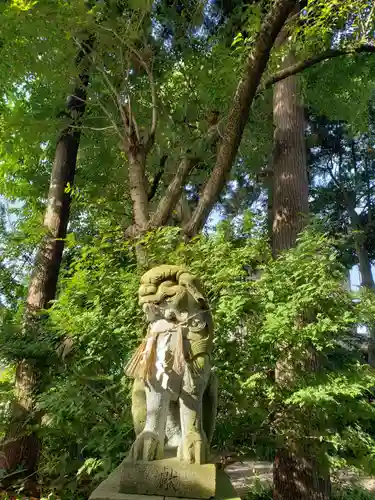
<point x="341" y="89"/>
<point x="340" y="23"/>
<point x="23" y="4"/>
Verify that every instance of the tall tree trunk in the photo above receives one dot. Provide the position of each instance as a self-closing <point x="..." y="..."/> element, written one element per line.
<point x="367" y="279"/>
<point x="364" y="264"/>
<point x="298" y="473"/>
<point x="21" y="446"/>
<point x="290" y="184"/>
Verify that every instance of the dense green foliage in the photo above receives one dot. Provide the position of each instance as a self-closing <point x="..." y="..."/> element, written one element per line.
<point x="298" y="307"/>
<point x="97" y="310"/>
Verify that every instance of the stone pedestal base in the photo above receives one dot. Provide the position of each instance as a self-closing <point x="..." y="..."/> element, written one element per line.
<point x="169" y="477"/>
<point x="165" y="480"/>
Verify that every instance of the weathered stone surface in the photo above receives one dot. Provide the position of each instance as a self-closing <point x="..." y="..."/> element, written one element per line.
<point x="169" y="477"/>
<point x="108" y="495"/>
<point x="174" y="398"/>
<point x="224" y="488"/>
<point x="110" y="489"/>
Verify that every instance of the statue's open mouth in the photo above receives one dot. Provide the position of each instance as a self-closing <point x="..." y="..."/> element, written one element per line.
<point x="155" y="311"/>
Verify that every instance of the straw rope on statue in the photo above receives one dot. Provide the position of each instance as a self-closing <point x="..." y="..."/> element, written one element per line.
<point x="179" y="286"/>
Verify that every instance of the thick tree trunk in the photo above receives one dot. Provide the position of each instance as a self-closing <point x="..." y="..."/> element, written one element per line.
<point x="21" y="445"/>
<point x="367" y="281"/>
<point x="364" y="262"/>
<point x="296" y="476"/>
<point x="300" y="472"/>
<point x="290" y="185"/>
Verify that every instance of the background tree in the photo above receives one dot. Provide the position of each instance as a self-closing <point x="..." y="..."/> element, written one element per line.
<point x="300" y="470"/>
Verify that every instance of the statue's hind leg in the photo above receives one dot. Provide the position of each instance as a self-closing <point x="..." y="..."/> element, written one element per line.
<point x="149" y="444"/>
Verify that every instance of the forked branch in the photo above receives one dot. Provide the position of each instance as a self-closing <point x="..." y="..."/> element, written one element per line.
<point x="149" y="72"/>
<point x="154" y="116"/>
<point x="173" y="192"/>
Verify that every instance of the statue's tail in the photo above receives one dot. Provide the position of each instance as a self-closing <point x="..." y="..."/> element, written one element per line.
<point x="210" y="400"/>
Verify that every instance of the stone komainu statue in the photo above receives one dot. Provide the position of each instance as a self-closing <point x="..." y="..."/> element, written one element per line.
<point x="174" y="398"/>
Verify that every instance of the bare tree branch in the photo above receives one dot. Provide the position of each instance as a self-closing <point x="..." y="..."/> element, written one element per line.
<point x="109" y="127"/>
<point x="157" y="177"/>
<point x="173" y="192"/>
<point x="110" y="117"/>
<point x="183" y="210"/>
<point x="312" y="61"/>
<point x="113" y="92"/>
<point x="136" y="129"/>
<point x="150" y="76"/>
<point x="154" y="116"/>
<point x="334" y="179"/>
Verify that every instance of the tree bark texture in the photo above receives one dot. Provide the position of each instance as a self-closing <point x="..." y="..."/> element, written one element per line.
<point x="300" y="469"/>
<point x="21" y="446"/>
<point x="138" y="187"/>
<point x="290" y="184"/>
<point x="296" y="477"/>
<point x="239" y="112"/>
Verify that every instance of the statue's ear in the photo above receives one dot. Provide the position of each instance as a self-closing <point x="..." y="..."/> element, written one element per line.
<point x="197" y="295"/>
<point x="192" y="285"/>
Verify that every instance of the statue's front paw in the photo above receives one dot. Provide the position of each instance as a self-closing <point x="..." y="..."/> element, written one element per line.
<point x="146" y="447"/>
<point x="193" y="448"/>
